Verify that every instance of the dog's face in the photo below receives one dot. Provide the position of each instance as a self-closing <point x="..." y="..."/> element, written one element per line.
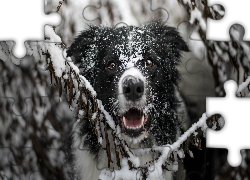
<point x="133" y="71"/>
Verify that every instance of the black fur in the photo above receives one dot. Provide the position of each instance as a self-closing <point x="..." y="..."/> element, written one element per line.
<point x="95" y="48"/>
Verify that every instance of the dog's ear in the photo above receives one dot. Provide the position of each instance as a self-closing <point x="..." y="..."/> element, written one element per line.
<point x="181" y="44"/>
<point x="167" y="35"/>
<point x="82" y="44"/>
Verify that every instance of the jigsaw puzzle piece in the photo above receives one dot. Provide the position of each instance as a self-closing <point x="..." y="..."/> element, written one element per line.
<point x="198" y="12"/>
<point x="211" y="166"/>
<point x="72" y="21"/>
<point x="235" y="119"/>
<point x="13" y="169"/>
<point x="201" y="74"/>
<point x="26" y="21"/>
<point x="229" y="59"/>
<point x="111" y="13"/>
<point x="219" y="29"/>
<point x="191" y="35"/>
<point x="90" y="12"/>
<point x="222" y="169"/>
<point x="21" y="137"/>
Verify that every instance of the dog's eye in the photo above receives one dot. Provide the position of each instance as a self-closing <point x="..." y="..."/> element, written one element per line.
<point x="149" y="63"/>
<point x="111" y="66"/>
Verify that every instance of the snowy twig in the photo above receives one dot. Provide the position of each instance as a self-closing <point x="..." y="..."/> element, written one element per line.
<point x="243" y="85"/>
<point x="167" y="149"/>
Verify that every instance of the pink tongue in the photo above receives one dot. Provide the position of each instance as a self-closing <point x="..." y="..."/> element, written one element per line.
<point x="133" y="118"/>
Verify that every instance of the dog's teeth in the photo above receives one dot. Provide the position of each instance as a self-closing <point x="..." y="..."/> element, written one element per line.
<point x="124" y="121"/>
<point x="142" y="120"/>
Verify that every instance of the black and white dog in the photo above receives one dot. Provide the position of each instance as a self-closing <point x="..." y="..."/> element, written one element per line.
<point x="133" y="70"/>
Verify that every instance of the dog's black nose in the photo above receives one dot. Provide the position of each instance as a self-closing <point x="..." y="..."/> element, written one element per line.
<point x="133" y="88"/>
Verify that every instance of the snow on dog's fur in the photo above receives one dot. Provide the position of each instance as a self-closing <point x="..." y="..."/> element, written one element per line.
<point x="133" y="70"/>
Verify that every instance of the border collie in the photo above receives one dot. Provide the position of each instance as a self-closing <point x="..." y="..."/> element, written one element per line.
<point x="133" y="70"/>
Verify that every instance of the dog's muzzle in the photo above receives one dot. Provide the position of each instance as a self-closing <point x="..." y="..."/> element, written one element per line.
<point x="133" y="88"/>
<point x="132" y="100"/>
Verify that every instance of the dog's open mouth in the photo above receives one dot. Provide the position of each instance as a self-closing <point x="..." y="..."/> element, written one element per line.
<point x="133" y="122"/>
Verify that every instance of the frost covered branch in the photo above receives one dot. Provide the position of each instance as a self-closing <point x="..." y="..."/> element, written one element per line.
<point x="244" y="86"/>
<point x="198" y="12"/>
<point x="166" y="150"/>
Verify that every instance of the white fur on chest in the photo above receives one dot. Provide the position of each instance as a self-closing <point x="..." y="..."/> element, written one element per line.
<point x="84" y="164"/>
<point x="87" y="168"/>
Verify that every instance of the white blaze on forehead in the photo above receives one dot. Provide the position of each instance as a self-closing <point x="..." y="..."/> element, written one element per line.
<point x="132" y="61"/>
<point x="123" y="58"/>
<point x="129" y="62"/>
<point x="129" y="57"/>
<point x="130" y="39"/>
